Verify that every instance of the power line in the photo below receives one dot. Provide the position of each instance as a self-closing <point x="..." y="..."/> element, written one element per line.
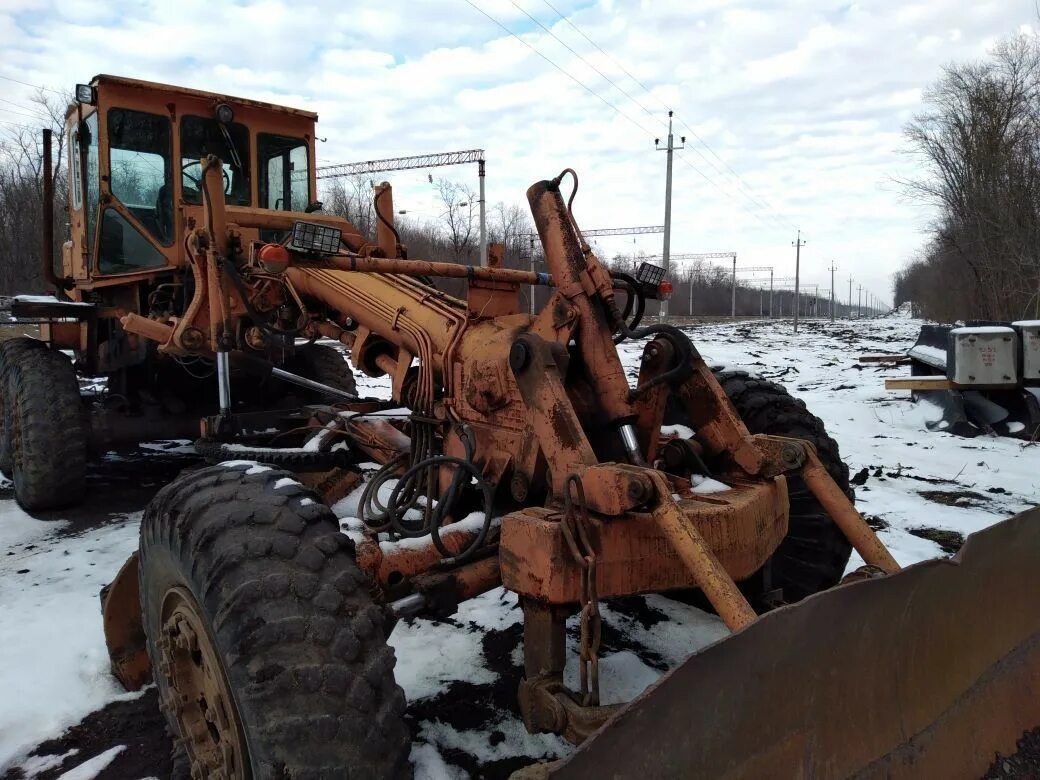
<point x="25" y="108"/>
<point x="611" y="105"/>
<point x="749" y="193"/>
<point x="560" y="68"/>
<point x="609" y="80"/>
<point x="34" y="86"/>
<point x="20" y="113"/>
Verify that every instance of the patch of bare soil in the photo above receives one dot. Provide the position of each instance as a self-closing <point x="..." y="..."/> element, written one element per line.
<point x="965" y="498"/>
<point x="949" y="541"/>
<point x="1025" y="763"/>
<point x="137" y="724"/>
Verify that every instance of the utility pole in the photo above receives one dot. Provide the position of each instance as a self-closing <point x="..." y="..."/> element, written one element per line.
<point x="797" y="271"/>
<point x="833" y="269"/>
<point x="850" y="297"/>
<point x="483" y="215"/>
<point x="534" y="287"/>
<point x="770" y="293"/>
<point x="859" y="304"/>
<point x="666" y="249"/>
<point x="733" y="292"/>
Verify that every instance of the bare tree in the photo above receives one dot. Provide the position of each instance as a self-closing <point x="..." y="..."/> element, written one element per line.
<point x="351" y="198"/>
<point x="979" y="142"/>
<point x="21" y="196"/>
<point x="459" y="217"/>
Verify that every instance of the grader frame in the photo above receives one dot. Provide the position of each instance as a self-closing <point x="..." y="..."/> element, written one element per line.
<point x="535" y="410"/>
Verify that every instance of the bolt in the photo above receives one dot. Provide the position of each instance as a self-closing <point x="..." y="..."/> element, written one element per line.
<point x="637" y="490"/>
<point x="519" y="487"/>
<point x="792" y="456"/>
<point x="519" y="355"/>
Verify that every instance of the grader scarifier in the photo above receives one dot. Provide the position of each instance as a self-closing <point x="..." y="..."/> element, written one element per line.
<point x="514" y="453"/>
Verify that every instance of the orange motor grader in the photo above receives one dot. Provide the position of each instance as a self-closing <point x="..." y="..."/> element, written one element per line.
<point x="514" y="453"/>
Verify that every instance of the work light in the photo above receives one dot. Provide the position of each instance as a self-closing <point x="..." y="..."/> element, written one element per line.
<point x="312" y="237"/>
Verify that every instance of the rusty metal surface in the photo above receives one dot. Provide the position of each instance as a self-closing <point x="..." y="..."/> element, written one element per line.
<point x="925" y="673"/>
<point x="702" y="563"/>
<point x="742" y="527"/>
<point x="124" y="631"/>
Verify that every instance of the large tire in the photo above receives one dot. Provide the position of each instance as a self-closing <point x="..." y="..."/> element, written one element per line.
<point x="286" y="612"/>
<point x="44" y="418"/>
<point x="327" y="365"/>
<point x="813" y="555"/>
<point x="10" y="353"/>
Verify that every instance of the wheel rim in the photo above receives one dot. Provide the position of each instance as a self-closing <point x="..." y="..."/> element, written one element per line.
<point x="197" y="693"/>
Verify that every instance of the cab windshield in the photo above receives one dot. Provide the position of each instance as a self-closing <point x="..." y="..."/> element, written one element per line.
<point x="201" y="136"/>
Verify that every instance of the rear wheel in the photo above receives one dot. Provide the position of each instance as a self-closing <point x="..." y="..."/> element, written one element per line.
<point x="270" y="654"/>
<point x="10" y="353"/>
<point x="327" y="365"/>
<point x="44" y="419"/>
<point x="813" y="555"/>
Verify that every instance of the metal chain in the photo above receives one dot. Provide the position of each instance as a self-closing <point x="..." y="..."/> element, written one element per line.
<point x="579" y="532"/>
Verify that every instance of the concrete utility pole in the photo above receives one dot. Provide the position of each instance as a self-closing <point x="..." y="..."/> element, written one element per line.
<point x="666" y="249"/>
<point x="483" y="214"/>
<point x="797" y="271"/>
<point x="833" y="269"/>
<point x="733" y="291"/>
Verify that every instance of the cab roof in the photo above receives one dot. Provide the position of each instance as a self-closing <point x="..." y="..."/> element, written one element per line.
<point x="103" y="79"/>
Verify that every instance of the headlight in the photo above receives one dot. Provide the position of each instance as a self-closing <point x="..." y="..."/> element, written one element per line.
<point x="312" y="237"/>
<point x="85" y="94"/>
<point x="224" y="114"/>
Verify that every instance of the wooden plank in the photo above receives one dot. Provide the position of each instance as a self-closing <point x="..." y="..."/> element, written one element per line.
<point x="884" y="359"/>
<point x="920" y="383"/>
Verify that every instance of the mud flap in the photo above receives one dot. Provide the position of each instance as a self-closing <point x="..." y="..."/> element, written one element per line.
<point x="124" y="629"/>
<point x="926" y="673"/>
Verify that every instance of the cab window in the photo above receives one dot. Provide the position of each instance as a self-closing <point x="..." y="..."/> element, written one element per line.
<point x="88" y="139"/>
<point x="140" y="153"/>
<point x="201" y="136"/>
<point x="284" y="172"/>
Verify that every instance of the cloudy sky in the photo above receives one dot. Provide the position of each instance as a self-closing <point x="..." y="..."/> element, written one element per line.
<point x="799" y="104"/>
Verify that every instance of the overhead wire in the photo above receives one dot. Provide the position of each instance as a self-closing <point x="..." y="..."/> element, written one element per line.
<point x="562" y="70"/>
<point x="614" y="107"/>
<point x="34" y="86"/>
<point x="760" y="201"/>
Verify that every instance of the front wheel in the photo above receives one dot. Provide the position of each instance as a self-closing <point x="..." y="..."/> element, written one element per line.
<point x="43" y="417"/>
<point x="813" y="555"/>
<point x="270" y="655"/>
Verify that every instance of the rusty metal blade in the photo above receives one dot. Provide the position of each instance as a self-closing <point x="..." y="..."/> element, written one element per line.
<point x="124" y="629"/>
<point x="926" y="673"/>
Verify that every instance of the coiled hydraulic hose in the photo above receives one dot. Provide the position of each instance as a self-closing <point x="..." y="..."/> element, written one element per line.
<point x="419" y="482"/>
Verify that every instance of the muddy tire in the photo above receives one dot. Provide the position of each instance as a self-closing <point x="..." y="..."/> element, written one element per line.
<point x="43" y="417"/>
<point x="327" y="365"/>
<point x="247" y="584"/>
<point x="813" y="555"/>
<point x="10" y="351"/>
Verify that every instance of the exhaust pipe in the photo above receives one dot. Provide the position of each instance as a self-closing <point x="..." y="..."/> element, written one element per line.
<point x="60" y="285"/>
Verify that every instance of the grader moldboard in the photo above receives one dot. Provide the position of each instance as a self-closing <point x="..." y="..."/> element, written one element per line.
<point x="514" y="453"/>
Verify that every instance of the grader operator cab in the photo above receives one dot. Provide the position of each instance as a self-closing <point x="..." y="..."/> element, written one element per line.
<point x="514" y="452"/>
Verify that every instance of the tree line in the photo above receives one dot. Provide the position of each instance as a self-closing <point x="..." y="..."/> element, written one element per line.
<point x="979" y="141"/>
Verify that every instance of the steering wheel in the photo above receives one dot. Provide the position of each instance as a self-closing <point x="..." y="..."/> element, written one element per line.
<point x="198" y="180"/>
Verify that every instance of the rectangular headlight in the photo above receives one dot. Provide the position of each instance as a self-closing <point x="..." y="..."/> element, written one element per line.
<point x="650" y="275"/>
<point x="312" y="237"/>
<point x="85" y="94"/>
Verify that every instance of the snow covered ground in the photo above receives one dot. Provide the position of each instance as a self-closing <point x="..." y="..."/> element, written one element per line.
<point x="925" y="491"/>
